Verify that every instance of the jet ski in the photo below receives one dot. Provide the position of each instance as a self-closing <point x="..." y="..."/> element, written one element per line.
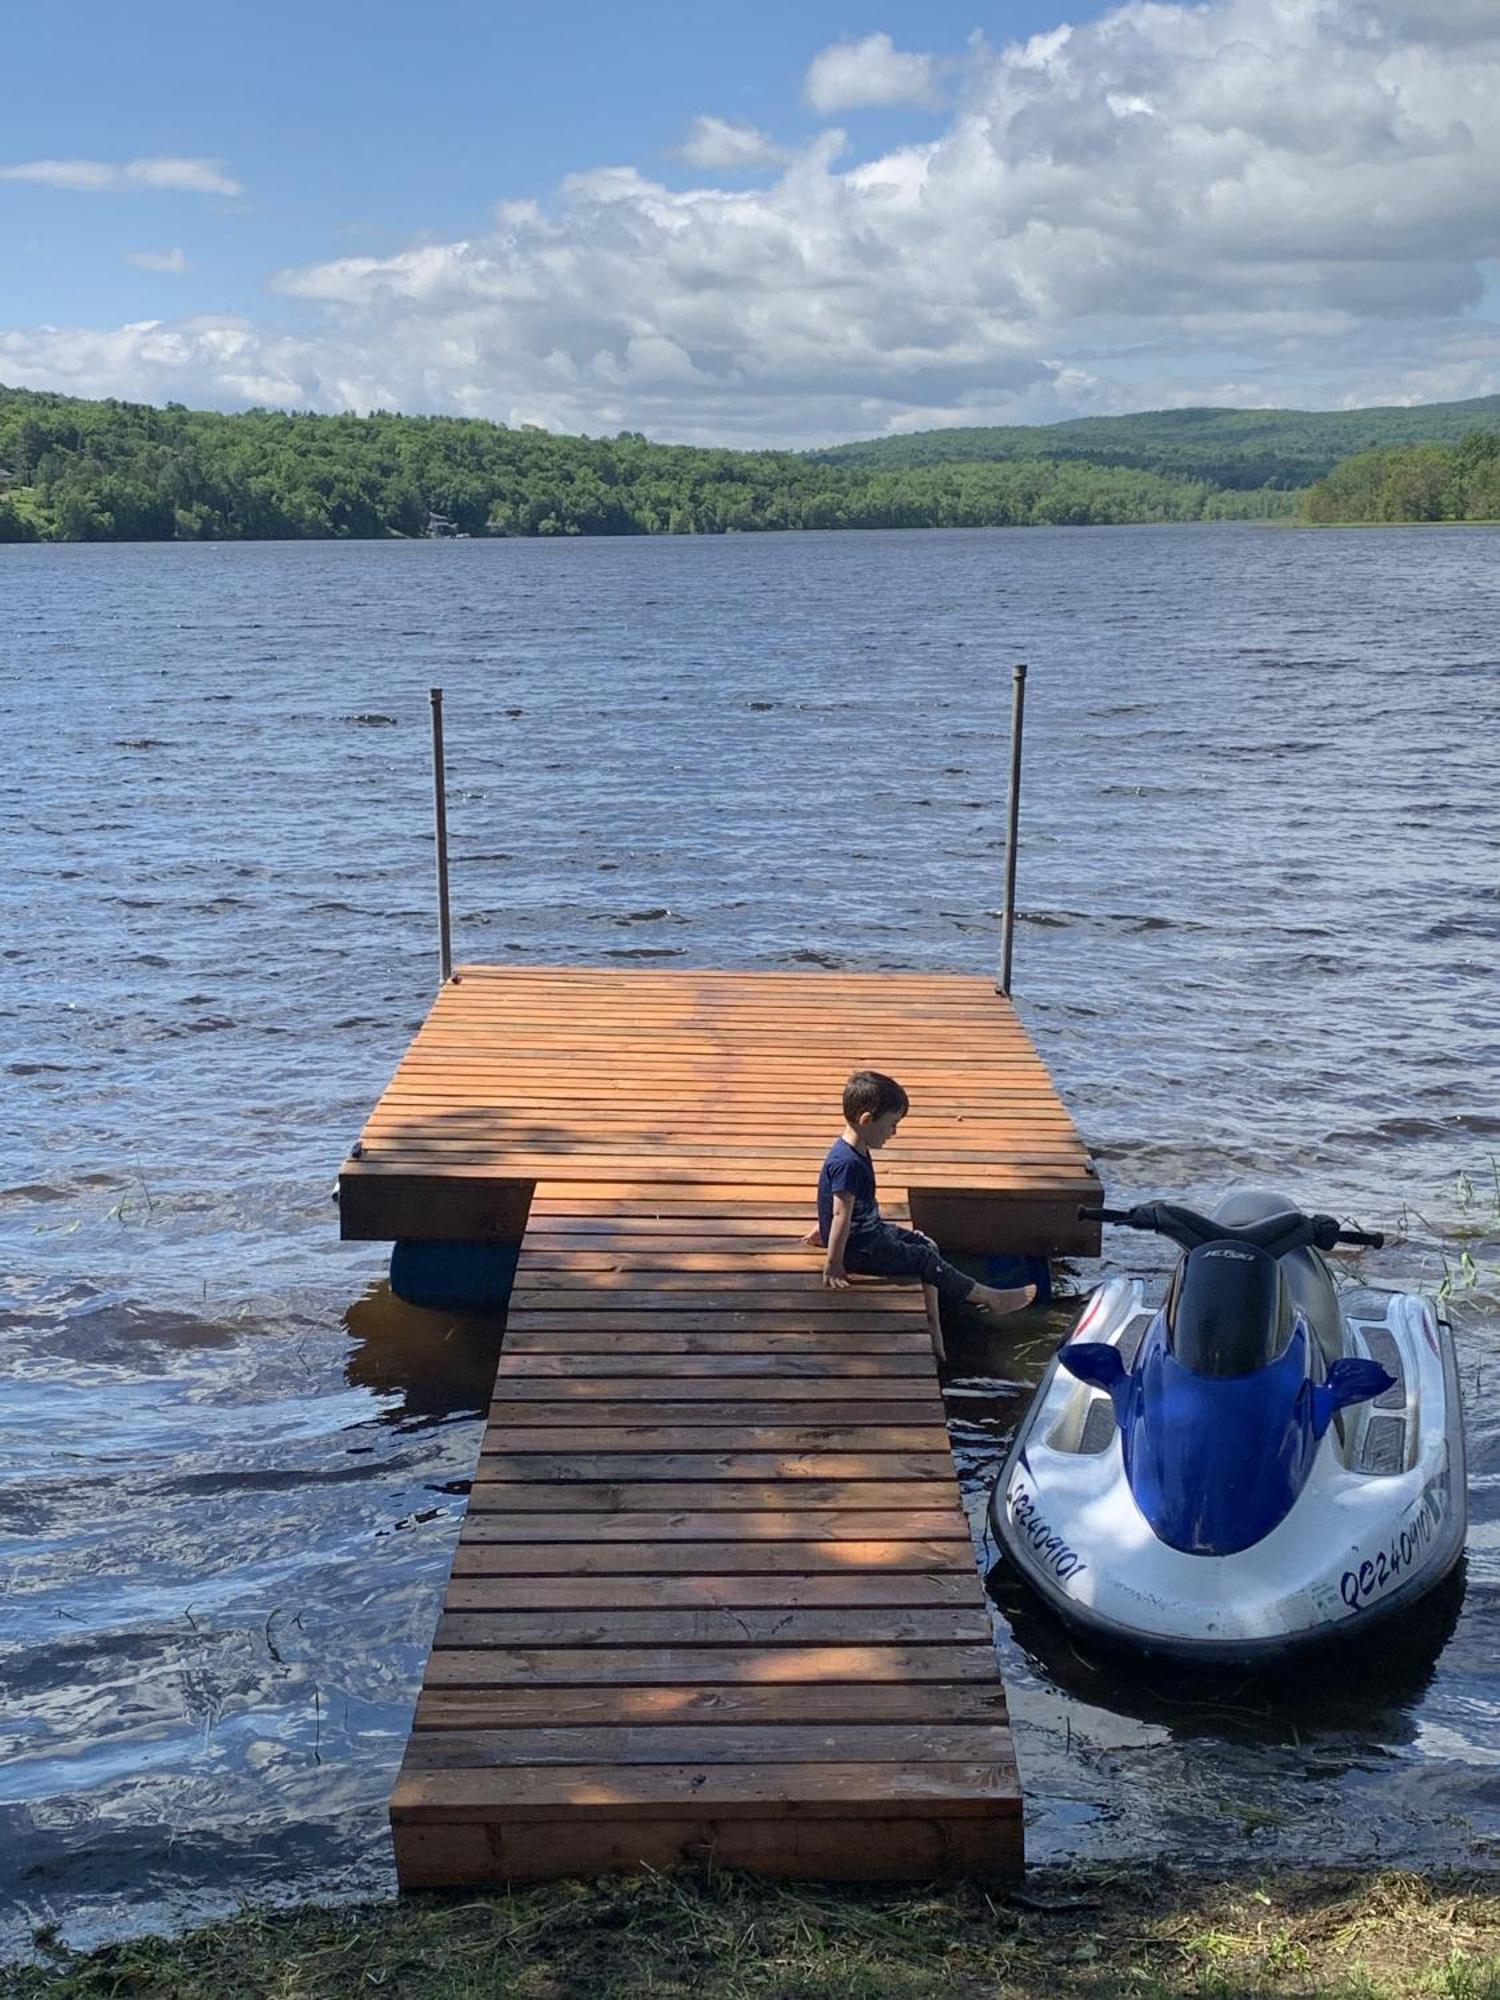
<point x="1272" y="1456"/>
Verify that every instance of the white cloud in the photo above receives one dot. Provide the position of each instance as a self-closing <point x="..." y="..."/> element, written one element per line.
<point x="1245" y="201"/>
<point x="165" y="174"/>
<point x="851" y="76"/>
<point x="714" y="143"/>
<point x="158" y="260"/>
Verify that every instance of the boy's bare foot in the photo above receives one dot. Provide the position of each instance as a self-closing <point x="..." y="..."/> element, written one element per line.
<point x="996" y="1304"/>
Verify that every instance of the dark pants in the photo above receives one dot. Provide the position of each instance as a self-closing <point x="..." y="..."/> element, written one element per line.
<point x="885" y="1251"/>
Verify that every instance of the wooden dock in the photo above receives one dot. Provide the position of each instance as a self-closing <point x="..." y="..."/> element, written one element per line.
<point x="715" y="1593"/>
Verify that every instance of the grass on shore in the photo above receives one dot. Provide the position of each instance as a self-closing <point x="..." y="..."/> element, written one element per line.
<point x="1081" y="1934"/>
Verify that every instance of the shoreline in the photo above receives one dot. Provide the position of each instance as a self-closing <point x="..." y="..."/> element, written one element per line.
<point x="1099" y="1932"/>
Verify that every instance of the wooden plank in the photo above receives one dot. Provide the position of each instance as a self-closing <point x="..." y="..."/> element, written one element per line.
<point x="687" y="1172"/>
<point x="705" y="1424"/>
<point x="882" y="1791"/>
<point x="786" y="1112"/>
<point x="822" y="1318"/>
<point x="460" y="1090"/>
<point x="909" y="1589"/>
<point x="453" y="1131"/>
<point x="713" y="1626"/>
<point x="542" y="1290"/>
<point x="660" y="1390"/>
<point x="674" y="1440"/>
<point x="542" y="1336"/>
<point x="626" y="1745"/>
<point x="644" y="1496"/>
<point x="616" y="1221"/>
<point x="688" y="1294"/>
<point x="617" y="1266"/>
<point x="817" y="1067"/>
<point x="839" y="1369"/>
<point x="709" y="978"/>
<point x="704" y="1560"/>
<point x="669" y="1182"/>
<point x="936" y="1516"/>
<point x="564" y="1469"/>
<point x="730" y="1666"/>
<point x="796" y="1702"/>
<point x="925" y="1847"/>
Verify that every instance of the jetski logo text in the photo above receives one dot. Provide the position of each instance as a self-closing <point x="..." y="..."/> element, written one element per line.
<point x="1048" y="1548"/>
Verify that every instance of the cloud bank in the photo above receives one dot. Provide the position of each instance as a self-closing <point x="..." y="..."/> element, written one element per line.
<point x="1248" y="202"/>
<point x="163" y="175"/>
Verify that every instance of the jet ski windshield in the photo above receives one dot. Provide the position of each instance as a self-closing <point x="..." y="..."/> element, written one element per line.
<point x="1215" y="1461"/>
<point x="1228" y="1311"/>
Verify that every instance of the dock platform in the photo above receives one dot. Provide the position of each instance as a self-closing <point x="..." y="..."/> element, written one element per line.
<point x="715" y="1594"/>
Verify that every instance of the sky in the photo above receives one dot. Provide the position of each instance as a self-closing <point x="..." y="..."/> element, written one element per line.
<point x="767" y="224"/>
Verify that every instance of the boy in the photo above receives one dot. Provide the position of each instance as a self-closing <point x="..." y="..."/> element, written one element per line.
<point x="849" y="1222"/>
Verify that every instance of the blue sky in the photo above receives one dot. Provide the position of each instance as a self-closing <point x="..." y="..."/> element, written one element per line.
<point x="369" y="127"/>
<point x="898" y="214"/>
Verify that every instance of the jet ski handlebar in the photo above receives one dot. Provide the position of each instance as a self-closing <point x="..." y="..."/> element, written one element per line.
<point x="1275" y="1234"/>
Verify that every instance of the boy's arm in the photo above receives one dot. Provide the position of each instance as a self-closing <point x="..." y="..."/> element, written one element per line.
<point x="838" y="1236"/>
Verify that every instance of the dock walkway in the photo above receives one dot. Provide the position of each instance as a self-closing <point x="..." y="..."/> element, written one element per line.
<point x="715" y="1593"/>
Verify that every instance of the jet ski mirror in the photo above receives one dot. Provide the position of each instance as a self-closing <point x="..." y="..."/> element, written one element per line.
<point x="1094" y="1362"/>
<point x="1350" y="1380"/>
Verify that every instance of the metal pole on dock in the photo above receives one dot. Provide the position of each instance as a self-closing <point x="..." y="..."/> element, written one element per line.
<point x="1013" y="821"/>
<point x="440" y="817"/>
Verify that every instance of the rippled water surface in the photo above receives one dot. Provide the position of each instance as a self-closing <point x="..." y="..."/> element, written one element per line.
<point x="1261" y="912"/>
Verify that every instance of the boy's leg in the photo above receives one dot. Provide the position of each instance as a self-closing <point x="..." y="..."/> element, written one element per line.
<point x="934" y="1323"/>
<point x="889" y="1252"/>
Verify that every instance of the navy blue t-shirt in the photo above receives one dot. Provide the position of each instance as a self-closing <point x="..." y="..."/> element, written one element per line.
<point x="847" y="1171"/>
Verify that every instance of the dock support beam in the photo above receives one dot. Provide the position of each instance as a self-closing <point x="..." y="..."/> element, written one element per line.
<point x="1013" y="821"/>
<point x="440" y="819"/>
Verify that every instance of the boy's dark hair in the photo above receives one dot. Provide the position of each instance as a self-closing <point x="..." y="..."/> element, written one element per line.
<point x="868" y="1090"/>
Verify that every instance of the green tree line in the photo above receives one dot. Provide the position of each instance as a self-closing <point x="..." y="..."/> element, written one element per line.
<point x="1423" y="482"/>
<point x="76" y="470"/>
<point x="1241" y="449"/>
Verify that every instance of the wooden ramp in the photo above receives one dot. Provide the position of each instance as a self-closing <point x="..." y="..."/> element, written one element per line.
<point x="715" y="1594"/>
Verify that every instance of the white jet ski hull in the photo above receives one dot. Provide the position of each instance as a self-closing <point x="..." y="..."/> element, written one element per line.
<point x="1379" y="1523"/>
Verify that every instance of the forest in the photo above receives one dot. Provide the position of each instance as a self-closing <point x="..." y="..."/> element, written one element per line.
<point x="75" y="470"/>
<point x="1425" y="482"/>
<point x="1241" y="449"/>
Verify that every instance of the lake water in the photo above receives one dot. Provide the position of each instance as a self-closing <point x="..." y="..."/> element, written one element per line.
<point x="1260" y="911"/>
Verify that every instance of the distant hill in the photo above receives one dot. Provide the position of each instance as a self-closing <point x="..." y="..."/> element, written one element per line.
<point x="1232" y="448"/>
<point x="73" y="470"/>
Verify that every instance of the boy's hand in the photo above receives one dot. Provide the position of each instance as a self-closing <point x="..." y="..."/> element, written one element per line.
<point x="813" y="1240"/>
<point x="834" y="1278"/>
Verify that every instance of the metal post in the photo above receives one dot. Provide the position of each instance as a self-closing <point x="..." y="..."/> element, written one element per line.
<point x="1007" y="934"/>
<point x="440" y="816"/>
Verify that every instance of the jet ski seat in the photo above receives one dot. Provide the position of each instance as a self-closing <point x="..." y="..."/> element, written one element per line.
<point x="1305" y="1272"/>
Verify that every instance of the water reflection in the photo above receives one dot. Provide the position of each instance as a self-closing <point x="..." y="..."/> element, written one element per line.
<point x="228" y="1534"/>
<point x="436" y="1364"/>
<point x="1367" y="1688"/>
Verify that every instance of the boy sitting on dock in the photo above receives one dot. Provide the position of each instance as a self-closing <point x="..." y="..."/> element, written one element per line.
<point x="850" y="1227"/>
